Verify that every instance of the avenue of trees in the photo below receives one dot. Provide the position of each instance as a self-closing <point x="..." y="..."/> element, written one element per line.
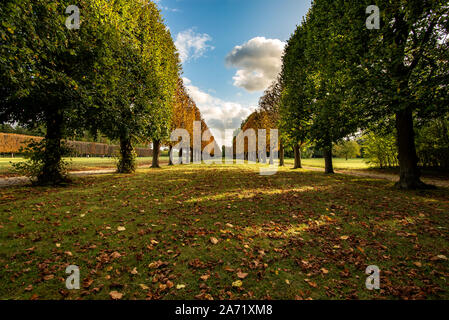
<point x="119" y="74"/>
<point x="340" y="78"/>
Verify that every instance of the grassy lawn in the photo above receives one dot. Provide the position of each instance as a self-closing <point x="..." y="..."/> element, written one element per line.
<point x="76" y="164"/>
<point x="152" y="235"/>
<point x="338" y="163"/>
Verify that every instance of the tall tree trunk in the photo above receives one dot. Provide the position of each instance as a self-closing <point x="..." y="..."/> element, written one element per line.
<point x="329" y="167"/>
<point x="191" y="155"/>
<point x="281" y="154"/>
<point x="52" y="167"/>
<point x="408" y="160"/>
<point x="127" y="162"/>
<point x="170" y="156"/>
<point x="297" y="152"/>
<point x="156" y="152"/>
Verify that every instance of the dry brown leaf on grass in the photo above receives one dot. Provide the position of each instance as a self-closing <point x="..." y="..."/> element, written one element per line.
<point x="439" y="257"/>
<point x="205" y="277"/>
<point x="115" y="255"/>
<point x="242" y="275"/>
<point x="144" y="287"/>
<point x="115" y="295"/>
<point x="213" y="240"/>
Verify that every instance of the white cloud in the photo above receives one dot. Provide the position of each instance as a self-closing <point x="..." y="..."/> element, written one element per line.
<point x="162" y="7"/>
<point x="192" y="45"/>
<point x="259" y="62"/>
<point x="219" y="115"/>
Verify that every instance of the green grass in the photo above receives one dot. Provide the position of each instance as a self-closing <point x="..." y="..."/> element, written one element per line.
<point x="297" y="234"/>
<point x="338" y="163"/>
<point x="77" y="164"/>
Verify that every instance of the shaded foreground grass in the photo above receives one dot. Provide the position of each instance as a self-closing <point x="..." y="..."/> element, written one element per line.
<point x="297" y="234"/>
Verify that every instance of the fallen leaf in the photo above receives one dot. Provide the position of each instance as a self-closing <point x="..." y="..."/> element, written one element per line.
<point x="213" y="240"/>
<point x="439" y="257"/>
<point x="344" y="237"/>
<point x="311" y="283"/>
<point x="87" y="283"/>
<point x="205" y="277"/>
<point x="242" y="275"/>
<point x="229" y="269"/>
<point x="134" y="271"/>
<point x="120" y="228"/>
<point x="144" y="287"/>
<point x="180" y="286"/>
<point x="115" y="255"/>
<point x="237" y="283"/>
<point x="115" y="295"/>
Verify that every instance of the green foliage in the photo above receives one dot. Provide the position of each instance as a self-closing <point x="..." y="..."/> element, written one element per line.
<point x="35" y="154"/>
<point x="432" y="143"/>
<point x="46" y="70"/>
<point x="340" y="77"/>
<point x="116" y="74"/>
<point x="347" y="149"/>
<point x="294" y="109"/>
<point x="380" y="150"/>
<point x="136" y="77"/>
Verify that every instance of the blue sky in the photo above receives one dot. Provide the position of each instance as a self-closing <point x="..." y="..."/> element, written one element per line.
<point x="231" y="51"/>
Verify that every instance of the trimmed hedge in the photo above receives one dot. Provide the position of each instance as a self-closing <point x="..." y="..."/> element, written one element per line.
<point x="11" y="143"/>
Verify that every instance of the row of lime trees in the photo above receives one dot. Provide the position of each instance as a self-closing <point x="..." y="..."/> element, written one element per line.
<point x="342" y="85"/>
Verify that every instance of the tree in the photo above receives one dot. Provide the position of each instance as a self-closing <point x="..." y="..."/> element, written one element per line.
<point x="168" y="75"/>
<point x="347" y="149"/>
<point x="400" y="70"/>
<point x="380" y="149"/>
<point x="334" y="115"/>
<point x="182" y="99"/>
<point x="294" y="110"/>
<point x="432" y="143"/>
<point x="269" y="105"/>
<point x="46" y="73"/>
<point x="136" y="77"/>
